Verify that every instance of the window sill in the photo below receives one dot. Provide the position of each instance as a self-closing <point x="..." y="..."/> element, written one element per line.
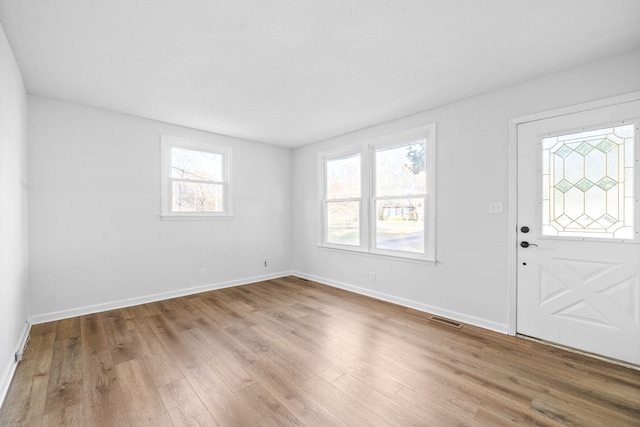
<point x="409" y="259"/>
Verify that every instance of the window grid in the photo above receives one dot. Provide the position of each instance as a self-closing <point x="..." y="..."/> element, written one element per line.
<point x="399" y="197"/>
<point x="587" y="182"/>
<point x="195" y="179"/>
<point x="394" y="219"/>
<point x="343" y="199"/>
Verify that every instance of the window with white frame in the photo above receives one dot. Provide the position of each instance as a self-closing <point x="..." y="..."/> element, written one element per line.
<point x="378" y="197"/>
<point x="343" y="199"/>
<point x="195" y="179"/>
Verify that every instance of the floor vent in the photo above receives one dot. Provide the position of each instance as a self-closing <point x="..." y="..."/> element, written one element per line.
<point x="445" y="321"/>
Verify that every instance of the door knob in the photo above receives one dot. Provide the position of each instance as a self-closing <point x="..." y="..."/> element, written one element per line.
<point x="527" y="244"/>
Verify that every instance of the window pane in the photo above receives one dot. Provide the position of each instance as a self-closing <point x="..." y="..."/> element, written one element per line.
<point x="401" y="170"/>
<point x="343" y="177"/>
<point x="343" y="223"/>
<point x="588" y="184"/>
<point x="196" y="197"/>
<point x="400" y="225"/>
<point x="192" y="164"/>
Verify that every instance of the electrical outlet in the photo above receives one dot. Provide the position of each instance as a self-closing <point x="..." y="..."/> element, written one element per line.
<point x="265" y="262"/>
<point x="203" y="272"/>
<point x="372" y="277"/>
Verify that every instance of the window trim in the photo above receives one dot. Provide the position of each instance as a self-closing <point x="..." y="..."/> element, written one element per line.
<point x="167" y="142"/>
<point x="326" y="201"/>
<point x="366" y="149"/>
<point x="364" y="189"/>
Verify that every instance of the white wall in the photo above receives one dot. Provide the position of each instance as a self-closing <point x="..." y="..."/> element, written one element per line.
<point x="469" y="282"/>
<point x="13" y="211"/>
<point x="96" y="239"/>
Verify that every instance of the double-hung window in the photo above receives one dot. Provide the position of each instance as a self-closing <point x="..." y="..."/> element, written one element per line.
<point x="343" y="201"/>
<point x="195" y="179"/>
<point x="378" y="197"/>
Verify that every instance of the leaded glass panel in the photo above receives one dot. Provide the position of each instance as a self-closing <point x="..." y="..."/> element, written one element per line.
<point x="587" y="183"/>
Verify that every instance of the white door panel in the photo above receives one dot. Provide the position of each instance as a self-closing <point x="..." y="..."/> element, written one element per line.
<point x="578" y="282"/>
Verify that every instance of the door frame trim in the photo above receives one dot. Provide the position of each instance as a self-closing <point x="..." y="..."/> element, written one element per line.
<point x="513" y="186"/>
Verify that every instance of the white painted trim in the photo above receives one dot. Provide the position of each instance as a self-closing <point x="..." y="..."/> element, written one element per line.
<point x="352" y="150"/>
<point x="9" y="371"/>
<point x="512" y="236"/>
<point x="513" y="185"/>
<point x="80" y="311"/>
<point x="366" y="150"/>
<point x="387" y="256"/>
<point x="426" y="308"/>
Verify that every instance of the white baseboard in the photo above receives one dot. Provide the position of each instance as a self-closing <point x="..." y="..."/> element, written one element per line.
<point x="80" y="311"/>
<point x="460" y="317"/>
<point x="9" y="371"/>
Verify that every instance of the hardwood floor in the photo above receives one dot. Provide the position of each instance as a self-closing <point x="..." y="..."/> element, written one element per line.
<point x="293" y="352"/>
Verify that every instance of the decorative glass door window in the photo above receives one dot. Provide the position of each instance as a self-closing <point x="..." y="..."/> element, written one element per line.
<point x="588" y="184"/>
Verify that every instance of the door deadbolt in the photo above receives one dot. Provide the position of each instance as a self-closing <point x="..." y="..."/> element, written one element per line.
<point x="524" y="229"/>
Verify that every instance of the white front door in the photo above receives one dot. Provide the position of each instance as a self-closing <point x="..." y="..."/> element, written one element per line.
<point x="578" y="275"/>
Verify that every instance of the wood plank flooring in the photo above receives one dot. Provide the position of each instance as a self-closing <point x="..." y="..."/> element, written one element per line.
<point x="290" y="352"/>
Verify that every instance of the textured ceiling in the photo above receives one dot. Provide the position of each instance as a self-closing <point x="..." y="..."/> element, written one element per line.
<point x="291" y="72"/>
